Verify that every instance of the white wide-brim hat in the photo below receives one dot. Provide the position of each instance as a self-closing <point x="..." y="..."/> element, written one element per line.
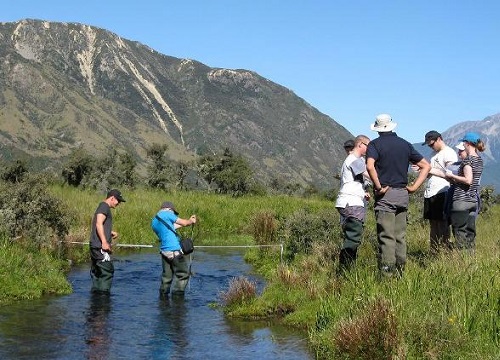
<point x="383" y="123"/>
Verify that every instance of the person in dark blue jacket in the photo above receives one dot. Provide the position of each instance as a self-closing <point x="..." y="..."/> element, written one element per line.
<point x="387" y="161"/>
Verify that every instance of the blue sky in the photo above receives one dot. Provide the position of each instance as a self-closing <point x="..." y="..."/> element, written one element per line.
<point x="430" y="64"/>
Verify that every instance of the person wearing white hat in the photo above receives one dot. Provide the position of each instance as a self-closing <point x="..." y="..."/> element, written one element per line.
<point x="387" y="161"/>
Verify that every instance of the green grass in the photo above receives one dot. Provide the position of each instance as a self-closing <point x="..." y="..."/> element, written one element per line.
<point x="29" y="274"/>
<point x="222" y="220"/>
<point x="443" y="308"/>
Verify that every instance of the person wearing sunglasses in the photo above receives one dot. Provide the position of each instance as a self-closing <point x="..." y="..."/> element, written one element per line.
<point x="436" y="189"/>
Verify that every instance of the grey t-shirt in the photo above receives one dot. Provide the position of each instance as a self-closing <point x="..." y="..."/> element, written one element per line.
<point x="103" y="208"/>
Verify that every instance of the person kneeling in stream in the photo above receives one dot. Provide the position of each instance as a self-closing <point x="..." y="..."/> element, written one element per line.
<point x="174" y="264"/>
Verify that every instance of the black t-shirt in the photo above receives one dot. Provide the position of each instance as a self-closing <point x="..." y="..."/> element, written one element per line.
<point x="103" y="208"/>
<point x="392" y="156"/>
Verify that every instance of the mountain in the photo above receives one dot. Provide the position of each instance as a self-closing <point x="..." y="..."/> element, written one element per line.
<point x="66" y="85"/>
<point x="489" y="129"/>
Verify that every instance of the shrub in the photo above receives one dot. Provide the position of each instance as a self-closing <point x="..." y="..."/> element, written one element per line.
<point x="241" y="289"/>
<point x="372" y="335"/>
<point x="302" y="229"/>
<point x="27" y="211"/>
<point x="264" y="228"/>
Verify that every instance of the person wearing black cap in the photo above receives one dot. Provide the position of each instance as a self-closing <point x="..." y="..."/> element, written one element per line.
<point x="174" y="264"/>
<point x="351" y="202"/>
<point x="436" y="190"/>
<point x="349" y="146"/>
<point x="101" y="236"/>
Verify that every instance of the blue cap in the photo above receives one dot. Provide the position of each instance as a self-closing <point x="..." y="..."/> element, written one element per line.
<point x="471" y="137"/>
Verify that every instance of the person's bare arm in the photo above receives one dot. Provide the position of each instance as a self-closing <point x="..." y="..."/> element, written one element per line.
<point x="466" y="179"/>
<point x="424" y="168"/>
<point x="99" y="226"/>
<point x="185" y="222"/>
<point x="377" y="187"/>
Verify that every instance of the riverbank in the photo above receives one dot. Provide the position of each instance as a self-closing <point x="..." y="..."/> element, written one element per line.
<point x="444" y="307"/>
<point x="31" y="271"/>
<point x="28" y="273"/>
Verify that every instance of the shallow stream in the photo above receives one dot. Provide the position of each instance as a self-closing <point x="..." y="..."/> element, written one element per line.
<point x="134" y="323"/>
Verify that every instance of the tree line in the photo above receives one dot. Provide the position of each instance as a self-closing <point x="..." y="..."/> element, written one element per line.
<point x="225" y="172"/>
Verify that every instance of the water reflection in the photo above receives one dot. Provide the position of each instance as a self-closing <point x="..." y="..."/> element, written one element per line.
<point x="97" y="327"/>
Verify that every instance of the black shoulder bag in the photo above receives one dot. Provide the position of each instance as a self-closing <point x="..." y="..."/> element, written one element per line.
<point x="187" y="245"/>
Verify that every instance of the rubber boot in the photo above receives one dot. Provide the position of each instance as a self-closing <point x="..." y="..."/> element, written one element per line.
<point x="347" y="258"/>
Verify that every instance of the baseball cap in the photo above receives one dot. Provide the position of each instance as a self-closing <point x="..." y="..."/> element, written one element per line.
<point x="117" y="194"/>
<point x="471" y="137"/>
<point x="169" y="205"/>
<point x="431" y="136"/>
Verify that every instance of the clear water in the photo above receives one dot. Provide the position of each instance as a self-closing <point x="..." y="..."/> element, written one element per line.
<point x="133" y="323"/>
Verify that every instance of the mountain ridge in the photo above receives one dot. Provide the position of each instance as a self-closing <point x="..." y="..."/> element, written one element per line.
<point x="66" y="85"/>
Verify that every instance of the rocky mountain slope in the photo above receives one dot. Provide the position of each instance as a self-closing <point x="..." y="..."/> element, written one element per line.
<point x="68" y="85"/>
<point x="65" y="86"/>
<point x="489" y="129"/>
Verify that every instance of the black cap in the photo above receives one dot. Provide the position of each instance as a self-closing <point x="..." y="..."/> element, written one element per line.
<point x="116" y="193"/>
<point x="169" y="205"/>
<point x="349" y="145"/>
<point x="431" y="136"/>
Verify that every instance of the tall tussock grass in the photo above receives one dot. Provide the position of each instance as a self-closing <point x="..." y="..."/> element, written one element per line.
<point x="241" y="290"/>
<point x="372" y="334"/>
<point x="443" y="307"/>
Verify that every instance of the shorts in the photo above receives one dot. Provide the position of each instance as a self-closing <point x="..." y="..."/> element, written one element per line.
<point x="434" y="207"/>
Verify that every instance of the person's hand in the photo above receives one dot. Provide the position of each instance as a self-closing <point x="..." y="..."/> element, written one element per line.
<point x="449" y="173"/>
<point x="114" y="234"/>
<point x="367" y="195"/>
<point x="381" y="191"/>
<point x="106" y="247"/>
<point x="193" y="219"/>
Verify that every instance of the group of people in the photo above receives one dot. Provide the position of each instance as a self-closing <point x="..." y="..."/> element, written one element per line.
<point x="175" y="268"/>
<point x="451" y="196"/>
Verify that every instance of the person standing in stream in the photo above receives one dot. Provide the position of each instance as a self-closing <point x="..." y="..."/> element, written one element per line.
<point x="174" y="263"/>
<point x="102" y="269"/>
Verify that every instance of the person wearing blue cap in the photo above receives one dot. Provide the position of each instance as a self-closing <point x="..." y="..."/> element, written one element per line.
<point x="465" y="194"/>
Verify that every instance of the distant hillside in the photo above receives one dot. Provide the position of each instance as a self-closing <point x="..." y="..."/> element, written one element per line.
<point x="66" y="85"/>
<point x="489" y="128"/>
